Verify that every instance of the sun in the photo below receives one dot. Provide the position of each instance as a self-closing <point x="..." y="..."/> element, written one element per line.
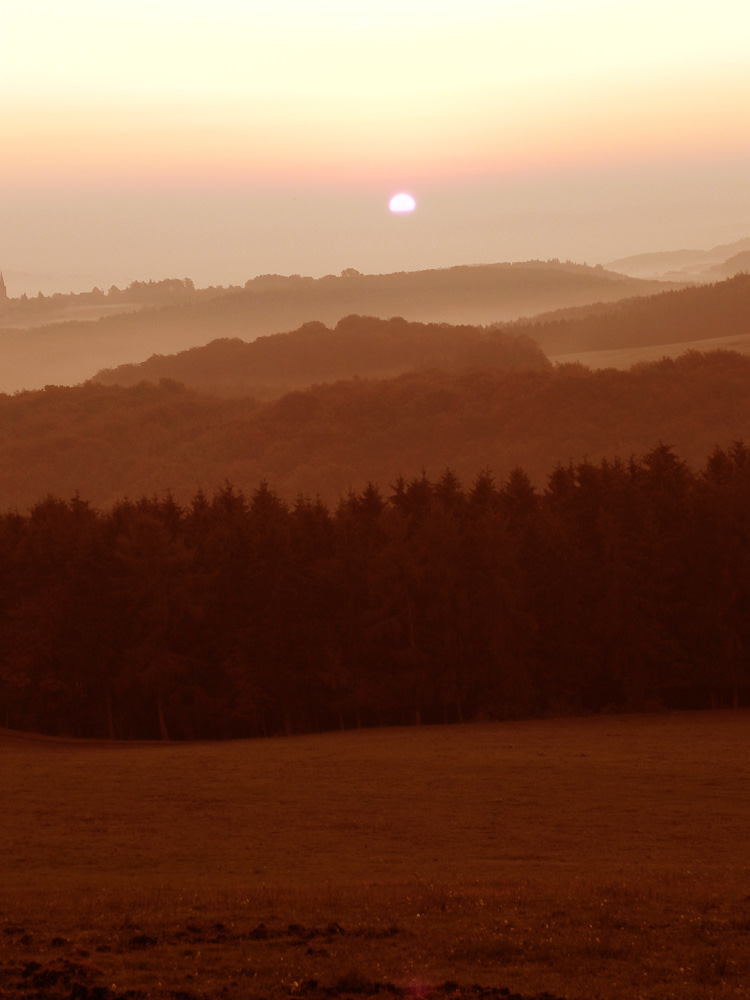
<point x="402" y="203"/>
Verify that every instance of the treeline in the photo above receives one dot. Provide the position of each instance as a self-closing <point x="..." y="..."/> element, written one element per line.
<point x="164" y="292"/>
<point x="623" y="585"/>
<point x="358" y="346"/>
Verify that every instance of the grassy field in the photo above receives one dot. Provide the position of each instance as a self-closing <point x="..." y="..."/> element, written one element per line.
<point x="602" y="857"/>
<point x="624" y="357"/>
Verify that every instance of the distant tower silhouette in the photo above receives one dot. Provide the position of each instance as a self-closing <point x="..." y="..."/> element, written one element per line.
<point x="3" y="289"/>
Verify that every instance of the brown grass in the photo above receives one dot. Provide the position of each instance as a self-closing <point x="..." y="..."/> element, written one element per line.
<point x="604" y="857"/>
<point x="625" y="357"/>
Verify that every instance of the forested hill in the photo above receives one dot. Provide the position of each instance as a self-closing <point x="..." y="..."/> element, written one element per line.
<point x="367" y="346"/>
<point x="108" y="442"/>
<point x="700" y="312"/>
<point x="623" y="586"/>
<point x="357" y="346"/>
<point x="68" y="353"/>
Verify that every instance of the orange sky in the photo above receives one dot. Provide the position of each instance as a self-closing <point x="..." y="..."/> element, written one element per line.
<point x="118" y="122"/>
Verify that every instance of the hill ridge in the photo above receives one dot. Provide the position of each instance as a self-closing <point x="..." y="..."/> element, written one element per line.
<point x="363" y="346"/>
<point x="106" y="442"/>
<point x="274" y="363"/>
<point x="70" y="352"/>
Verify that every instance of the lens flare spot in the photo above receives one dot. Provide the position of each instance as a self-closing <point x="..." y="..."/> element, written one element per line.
<point x="402" y="203"/>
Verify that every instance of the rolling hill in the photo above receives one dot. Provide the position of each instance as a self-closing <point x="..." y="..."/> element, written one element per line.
<point x="616" y="334"/>
<point x="106" y="442"/>
<point x="697" y="313"/>
<point x="67" y="353"/>
<point x="358" y="346"/>
<point x="684" y="265"/>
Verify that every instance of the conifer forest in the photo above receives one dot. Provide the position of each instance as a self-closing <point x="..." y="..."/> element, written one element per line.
<point x="620" y="586"/>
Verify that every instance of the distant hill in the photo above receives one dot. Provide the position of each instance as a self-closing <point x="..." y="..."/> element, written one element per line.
<point x="358" y="346"/>
<point x="366" y="346"/>
<point x="738" y="264"/>
<point x="107" y="442"/>
<point x="23" y="312"/>
<point x="697" y="313"/>
<point x="67" y="353"/>
<point x="681" y="265"/>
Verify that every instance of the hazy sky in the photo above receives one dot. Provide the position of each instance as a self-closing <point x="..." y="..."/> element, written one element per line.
<point x="223" y="139"/>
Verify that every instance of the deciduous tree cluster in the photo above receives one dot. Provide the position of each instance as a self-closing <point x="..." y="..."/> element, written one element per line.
<point x="107" y="442"/>
<point x="622" y="585"/>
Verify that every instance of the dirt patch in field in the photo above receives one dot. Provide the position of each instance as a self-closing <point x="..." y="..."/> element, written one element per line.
<point x="67" y="979"/>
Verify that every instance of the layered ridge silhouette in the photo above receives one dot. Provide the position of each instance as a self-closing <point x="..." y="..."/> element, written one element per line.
<point x="357" y="346"/>
<point x="69" y="352"/>
<point x="367" y="346"/>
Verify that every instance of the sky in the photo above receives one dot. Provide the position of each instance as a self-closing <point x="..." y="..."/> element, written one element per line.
<point x="224" y="139"/>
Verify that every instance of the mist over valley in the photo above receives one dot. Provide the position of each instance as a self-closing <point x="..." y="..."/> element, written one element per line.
<point x="67" y="351"/>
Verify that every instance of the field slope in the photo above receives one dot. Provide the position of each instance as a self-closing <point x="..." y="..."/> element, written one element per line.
<point x="598" y="797"/>
<point x="599" y="857"/>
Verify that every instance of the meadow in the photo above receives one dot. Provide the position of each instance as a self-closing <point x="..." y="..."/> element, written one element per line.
<point x="625" y="357"/>
<point x="601" y="857"/>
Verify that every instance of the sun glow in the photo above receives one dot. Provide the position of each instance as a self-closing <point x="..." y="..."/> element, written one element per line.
<point x="402" y="204"/>
<point x="212" y="98"/>
<point x="474" y="105"/>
